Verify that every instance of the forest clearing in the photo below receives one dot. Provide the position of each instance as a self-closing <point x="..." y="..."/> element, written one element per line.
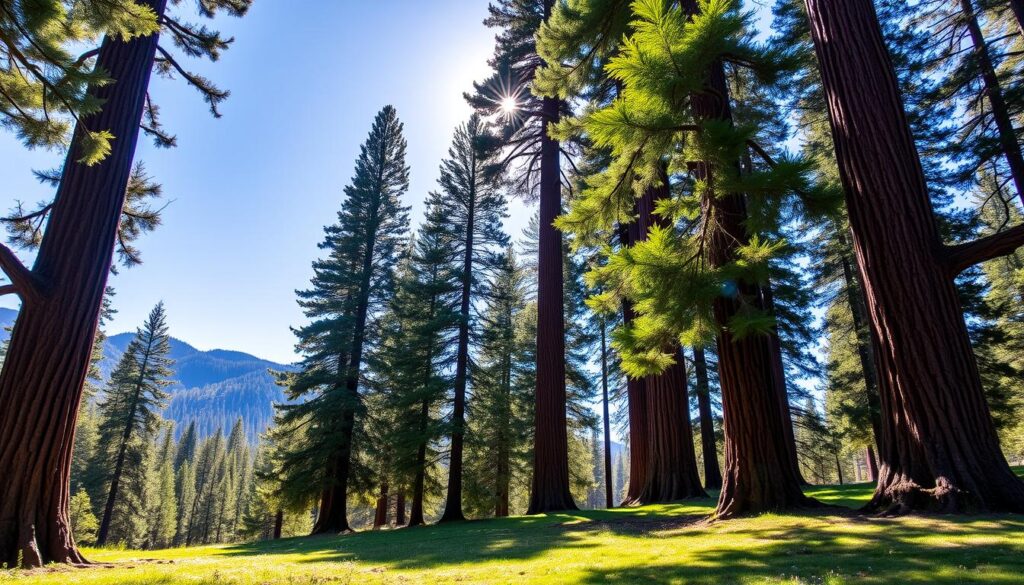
<point x="664" y="543"/>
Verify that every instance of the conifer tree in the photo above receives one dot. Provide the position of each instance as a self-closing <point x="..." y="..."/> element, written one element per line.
<point x="83" y="521"/>
<point x="499" y="417"/>
<point x="48" y="359"/>
<point x="673" y="128"/>
<point x="348" y="289"/>
<point x="924" y="352"/>
<point x="475" y="208"/>
<point x="129" y="411"/>
<point x="162" y="501"/>
<point x="534" y="156"/>
<point x="186" y="448"/>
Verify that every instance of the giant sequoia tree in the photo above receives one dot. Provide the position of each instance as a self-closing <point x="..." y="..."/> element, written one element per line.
<point x="939" y="449"/>
<point x="532" y="156"/>
<point x="716" y="234"/>
<point x="48" y="358"/>
<point x="475" y="208"/>
<point x="349" y="288"/>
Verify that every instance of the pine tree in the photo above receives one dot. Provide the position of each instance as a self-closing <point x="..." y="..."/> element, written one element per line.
<point x="83" y="521"/>
<point x="347" y="292"/>
<point x="186" y="449"/>
<point x="475" y="207"/>
<point x="673" y="128"/>
<point x="162" y="501"/>
<point x="128" y="414"/>
<point x="52" y="341"/>
<point x="533" y="156"/>
<point x="499" y="417"/>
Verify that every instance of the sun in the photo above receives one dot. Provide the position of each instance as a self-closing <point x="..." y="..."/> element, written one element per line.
<point x="508" y="105"/>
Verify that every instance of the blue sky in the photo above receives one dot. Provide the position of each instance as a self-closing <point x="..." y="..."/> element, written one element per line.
<point x="250" y="192"/>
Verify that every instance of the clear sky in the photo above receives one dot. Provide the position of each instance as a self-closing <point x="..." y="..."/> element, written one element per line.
<point x="251" y="191"/>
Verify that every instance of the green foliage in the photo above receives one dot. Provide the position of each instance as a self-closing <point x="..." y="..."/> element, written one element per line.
<point x="350" y="289"/>
<point x="83" y="522"/>
<point x="654" y="138"/>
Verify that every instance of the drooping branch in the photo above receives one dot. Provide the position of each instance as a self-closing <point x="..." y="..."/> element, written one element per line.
<point x="22" y="279"/>
<point x="963" y="256"/>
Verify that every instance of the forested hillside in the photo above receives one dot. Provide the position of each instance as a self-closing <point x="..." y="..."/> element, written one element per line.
<point x="213" y="388"/>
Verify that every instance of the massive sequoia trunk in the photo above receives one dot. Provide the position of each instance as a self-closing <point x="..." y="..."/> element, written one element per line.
<point x="709" y="450"/>
<point x="760" y="473"/>
<point x="779" y="370"/>
<point x="669" y="468"/>
<point x="550" y="488"/>
<point x="380" y="514"/>
<point x="939" y="447"/>
<point x="51" y="345"/>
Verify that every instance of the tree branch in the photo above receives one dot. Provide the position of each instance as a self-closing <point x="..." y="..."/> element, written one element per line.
<point x="963" y="256"/>
<point x="21" y="277"/>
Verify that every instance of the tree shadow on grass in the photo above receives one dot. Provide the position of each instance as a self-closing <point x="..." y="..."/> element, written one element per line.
<point x="674" y="543"/>
<point x="841" y="550"/>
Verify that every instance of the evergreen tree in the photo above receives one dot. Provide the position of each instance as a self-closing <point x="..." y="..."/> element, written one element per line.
<point x="186" y="450"/>
<point x="499" y="417"/>
<point x="475" y="207"/>
<point x="128" y="414"/>
<point x="83" y="521"/>
<point x="348" y="290"/>
<point x="162" y="500"/>
<point x="62" y="294"/>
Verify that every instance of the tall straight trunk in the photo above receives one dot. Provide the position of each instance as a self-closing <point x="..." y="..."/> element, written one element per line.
<point x="122" y="451"/>
<point x="550" y="487"/>
<point x="278" y="523"/>
<point x="939" y="449"/>
<point x="855" y="298"/>
<point x="333" y="516"/>
<point x="709" y="450"/>
<point x="400" y="508"/>
<point x="636" y="399"/>
<point x="609" y="498"/>
<point x="419" y="479"/>
<point x="760" y="474"/>
<point x="51" y="344"/>
<point x="997" y="101"/>
<point x="453" y="501"/>
<point x="779" y="371"/>
<point x="839" y="468"/>
<point x="380" y="516"/>
<point x="872" y="464"/>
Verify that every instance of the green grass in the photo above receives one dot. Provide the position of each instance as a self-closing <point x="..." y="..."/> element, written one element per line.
<point x="664" y="544"/>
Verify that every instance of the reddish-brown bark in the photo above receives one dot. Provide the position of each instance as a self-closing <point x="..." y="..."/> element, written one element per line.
<point x="550" y="488"/>
<point x="872" y="463"/>
<point x="51" y="344"/>
<point x="939" y="449"/>
<point x="709" y="450"/>
<point x="380" y="514"/>
<point x="760" y="473"/>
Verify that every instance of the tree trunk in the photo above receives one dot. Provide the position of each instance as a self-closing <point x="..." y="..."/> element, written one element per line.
<point x="939" y="448"/>
<point x="609" y="497"/>
<point x="550" y="487"/>
<point x="839" y="468"/>
<point x="672" y="469"/>
<point x="872" y="464"/>
<point x="1017" y="6"/>
<point x="51" y="344"/>
<point x="380" y="516"/>
<point x="453" y="501"/>
<point x="994" y="92"/>
<point x="400" y="508"/>
<point x="419" y="481"/>
<point x="779" y="371"/>
<point x="709" y="450"/>
<point x="858" y="310"/>
<point x="278" y="523"/>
